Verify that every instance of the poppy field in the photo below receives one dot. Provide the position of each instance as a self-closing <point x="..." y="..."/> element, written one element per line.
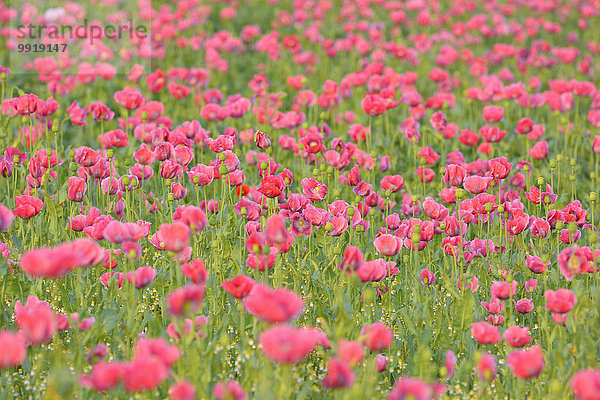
<point x="268" y="199"/>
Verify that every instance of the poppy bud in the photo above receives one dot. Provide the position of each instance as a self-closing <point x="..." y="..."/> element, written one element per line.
<point x="443" y="372"/>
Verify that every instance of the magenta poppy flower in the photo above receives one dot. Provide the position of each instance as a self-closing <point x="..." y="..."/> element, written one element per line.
<point x="273" y="305"/>
<point x="377" y="336"/>
<point x="230" y="390"/>
<point x="14" y="349"/>
<point x="27" y="207"/>
<point x="585" y="384"/>
<point x="539" y="151"/>
<point x="339" y="374"/>
<point x="560" y="301"/>
<point x="492" y="113"/>
<point x="387" y="245"/>
<point x="526" y="364"/>
<point x="517" y="336"/>
<point x="313" y="189"/>
<point x="476" y="184"/>
<point x="485" y="333"/>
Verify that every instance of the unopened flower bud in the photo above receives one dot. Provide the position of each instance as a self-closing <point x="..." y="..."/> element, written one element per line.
<point x="572" y="227"/>
<point x="443" y="372"/>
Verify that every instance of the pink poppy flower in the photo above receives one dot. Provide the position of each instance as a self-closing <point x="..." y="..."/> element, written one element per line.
<point x="526" y="364"/>
<point x="287" y="345"/>
<point x="485" y="333"/>
<point x="273" y="305"/>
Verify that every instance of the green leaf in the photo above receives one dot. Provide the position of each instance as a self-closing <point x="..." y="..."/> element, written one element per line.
<point x="62" y="193"/>
<point x="54" y="209"/>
